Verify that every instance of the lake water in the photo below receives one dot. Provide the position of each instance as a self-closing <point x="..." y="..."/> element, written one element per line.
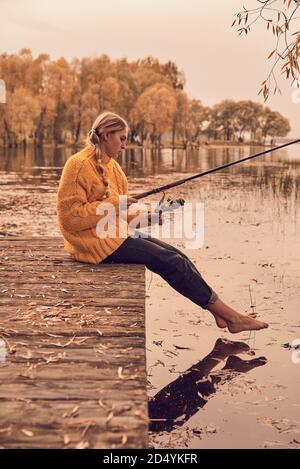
<point x="48" y="162"/>
<point x="206" y="392"/>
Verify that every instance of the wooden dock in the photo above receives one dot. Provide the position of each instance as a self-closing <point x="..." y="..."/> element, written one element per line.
<point x="72" y="351"/>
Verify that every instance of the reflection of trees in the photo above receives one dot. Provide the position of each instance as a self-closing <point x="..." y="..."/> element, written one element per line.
<point x="297" y="186"/>
<point x="177" y="402"/>
<point x="39" y="156"/>
<point x="286" y="184"/>
<point x="274" y="178"/>
<point x="279" y="181"/>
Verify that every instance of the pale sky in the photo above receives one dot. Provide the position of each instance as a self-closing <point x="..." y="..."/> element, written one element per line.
<point x="196" y="34"/>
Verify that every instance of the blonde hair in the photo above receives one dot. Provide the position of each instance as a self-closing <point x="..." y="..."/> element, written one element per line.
<point x="105" y="122"/>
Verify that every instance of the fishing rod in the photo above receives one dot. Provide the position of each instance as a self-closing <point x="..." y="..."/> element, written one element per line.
<point x="179" y="202"/>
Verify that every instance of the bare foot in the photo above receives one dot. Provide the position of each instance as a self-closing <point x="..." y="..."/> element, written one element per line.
<point x="225" y="316"/>
<point x="245" y="323"/>
<point x="220" y="322"/>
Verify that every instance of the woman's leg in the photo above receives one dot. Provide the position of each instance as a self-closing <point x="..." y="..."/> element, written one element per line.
<point x="224" y="315"/>
<point x="176" y="269"/>
<point x="221" y="323"/>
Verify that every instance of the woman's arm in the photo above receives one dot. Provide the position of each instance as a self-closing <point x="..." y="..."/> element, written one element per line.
<point x="147" y="218"/>
<point x="74" y="211"/>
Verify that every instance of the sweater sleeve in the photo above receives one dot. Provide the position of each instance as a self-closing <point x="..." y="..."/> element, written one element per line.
<point x="145" y="211"/>
<point x="74" y="211"/>
<point x="124" y="188"/>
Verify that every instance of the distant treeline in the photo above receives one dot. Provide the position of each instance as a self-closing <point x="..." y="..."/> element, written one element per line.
<point x="56" y="101"/>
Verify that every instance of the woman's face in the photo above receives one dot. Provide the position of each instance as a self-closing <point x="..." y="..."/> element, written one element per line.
<point x="115" y="143"/>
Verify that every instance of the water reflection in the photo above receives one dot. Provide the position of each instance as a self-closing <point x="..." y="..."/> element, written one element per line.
<point x="177" y="402"/>
<point x="279" y="173"/>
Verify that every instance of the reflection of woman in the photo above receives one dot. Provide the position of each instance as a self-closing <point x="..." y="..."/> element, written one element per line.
<point x="92" y="180"/>
<point x="178" y="401"/>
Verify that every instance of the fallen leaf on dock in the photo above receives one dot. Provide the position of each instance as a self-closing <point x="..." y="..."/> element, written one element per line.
<point x="82" y="445"/>
<point x="120" y="374"/>
<point x="109" y="417"/>
<point x="27" y="432"/>
<point x="58" y="344"/>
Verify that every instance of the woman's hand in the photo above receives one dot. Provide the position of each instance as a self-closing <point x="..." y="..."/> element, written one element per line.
<point x="130" y="201"/>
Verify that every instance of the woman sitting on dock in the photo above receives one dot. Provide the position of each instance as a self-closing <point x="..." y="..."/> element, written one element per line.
<point x="91" y="182"/>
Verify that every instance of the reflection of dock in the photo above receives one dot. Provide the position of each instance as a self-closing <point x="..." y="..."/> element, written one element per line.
<point x="73" y="373"/>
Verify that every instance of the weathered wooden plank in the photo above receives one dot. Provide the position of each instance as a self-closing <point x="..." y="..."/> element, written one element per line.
<point x="106" y="277"/>
<point x="43" y="301"/>
<point x="96" y="355"/>
<point x="101" y="371"/>
<point x="30" y="390"/>
<point x="84" y="435"/>
<point x="66" y="308"/>
<point x="64" y="410"/>
<point x="63" y="291"/>
<point x="23" y="423"/>
<point x="74" y="368"/>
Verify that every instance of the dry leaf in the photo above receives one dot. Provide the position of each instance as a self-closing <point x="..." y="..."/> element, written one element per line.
<point x="74" y="411"/>
<point x="124" y="439"/>
<point x="27" y="432"/>
<point x="84" y="431"/>
<point x="6" y="430"/>
<point x="55" y="358"/>
<point x="58" y="344"/>
<point x="101" y="404"/>
<point x="181" y="348"/>
<point x="109" y="417"/>
<point x="133" y="325"/>
<point x="120" y="374"/>
<point x="82" y="445"/>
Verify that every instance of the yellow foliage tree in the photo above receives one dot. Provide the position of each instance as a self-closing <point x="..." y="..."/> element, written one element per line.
<point x="154" y="111"/>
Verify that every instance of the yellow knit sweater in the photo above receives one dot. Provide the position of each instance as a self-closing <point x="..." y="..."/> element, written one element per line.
<point x="80" y="192"/>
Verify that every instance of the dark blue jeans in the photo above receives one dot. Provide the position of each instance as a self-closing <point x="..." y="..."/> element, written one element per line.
<point x="168" y="262"/>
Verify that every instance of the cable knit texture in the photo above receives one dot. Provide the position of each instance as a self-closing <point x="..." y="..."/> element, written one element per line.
<point x="80" y="192"/>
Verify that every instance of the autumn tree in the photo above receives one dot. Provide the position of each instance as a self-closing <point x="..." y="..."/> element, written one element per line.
<point x="231" y="120"/>
<point x="57" y="101"/>
<point x="180" y="116"/>
<point x="189" y="119"/>
<point x="199" y="118"/>
<point x="17" y="125"/>
<point x="223" y="121"/>
<point x="154" y="110"/>
<point x="59" y="81"/>
<point x="273" y="124"/>
<point x="247" y="118"/>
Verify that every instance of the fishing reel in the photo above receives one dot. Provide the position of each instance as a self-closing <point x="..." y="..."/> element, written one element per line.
<point x="170" y="205"/>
